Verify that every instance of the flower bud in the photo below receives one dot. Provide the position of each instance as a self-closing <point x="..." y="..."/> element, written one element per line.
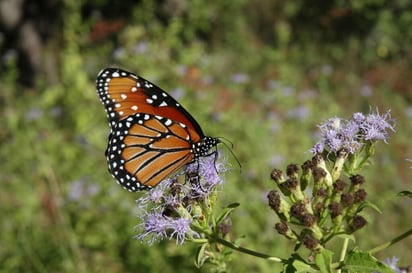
<point x="335" y="209"/>
<point x="311" y="243"/>
<point x="357" y="180"/>
<point x="359" y="196"/>
<point x="339" y="186"/>
<point x="320" y="163"/>
<point x="357" y="223"/>
<point x="284" y="229"/>
<point x="292" y="171"/>
<point x="293" y="186"/>
<point x="277" y="176"/>
<point x="306" y="176"/>
<point x="225" y="226"/>
<point x="346" y="200"/>
<point x="279" y="205"/>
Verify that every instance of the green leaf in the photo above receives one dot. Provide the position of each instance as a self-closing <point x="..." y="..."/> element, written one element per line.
<point x="360" y="262"/>
<point x="368" y="204"/>
<point x="297" y="265"/>
<point x="405" y="193"/>
<point x="201" y="257"/>
<point x="324" y="261"/>
<point x="350" y="237"/>
<point x="225" y="212"/>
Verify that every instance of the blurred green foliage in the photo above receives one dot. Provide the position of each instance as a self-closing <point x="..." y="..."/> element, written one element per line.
<point x="260" y="73"/>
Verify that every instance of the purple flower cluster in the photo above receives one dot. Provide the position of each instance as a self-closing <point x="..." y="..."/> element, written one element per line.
<point x="158" y="227"/>
<point x="209" y="169"/>
<point x="167" y="211"/>
<point x="338" y="134"/>
<point x="393" y="264"/>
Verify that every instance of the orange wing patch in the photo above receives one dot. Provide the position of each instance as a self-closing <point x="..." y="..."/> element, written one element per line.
<point x="162" y="167"/>
<point x="127" y="96"/>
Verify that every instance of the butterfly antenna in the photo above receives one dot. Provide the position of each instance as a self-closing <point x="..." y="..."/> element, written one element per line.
<point x="225" y="141"/>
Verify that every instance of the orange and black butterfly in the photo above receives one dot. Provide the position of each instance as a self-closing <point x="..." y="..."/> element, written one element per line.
<point x="152" y="136"/>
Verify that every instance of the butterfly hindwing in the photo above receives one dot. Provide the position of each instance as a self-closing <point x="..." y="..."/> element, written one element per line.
<point x="144" y="149"/>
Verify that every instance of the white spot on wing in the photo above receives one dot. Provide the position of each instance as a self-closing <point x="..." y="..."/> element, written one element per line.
<point x="168" y="122"/>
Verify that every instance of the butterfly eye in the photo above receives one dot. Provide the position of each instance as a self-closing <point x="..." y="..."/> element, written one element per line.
<point x="152" y="135"/>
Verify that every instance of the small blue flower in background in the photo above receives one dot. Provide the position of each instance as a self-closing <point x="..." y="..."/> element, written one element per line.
<point x="82" y="189"/>
<point x="240" y="78"/>
<point x="393" y="263"/>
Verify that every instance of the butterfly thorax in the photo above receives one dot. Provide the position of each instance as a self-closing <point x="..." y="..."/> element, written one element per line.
<point x="202" y="148"/>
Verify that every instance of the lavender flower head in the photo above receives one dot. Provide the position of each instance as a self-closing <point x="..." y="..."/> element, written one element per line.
<point x="174" y="207"/>
<point x="210" y="170"/>
<point x="393" y="264"/>
<point x="338" y="134"/>
<point x="158" y="227"/>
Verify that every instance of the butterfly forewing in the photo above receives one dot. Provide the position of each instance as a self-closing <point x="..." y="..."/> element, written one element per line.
<point x="124" y="94"/>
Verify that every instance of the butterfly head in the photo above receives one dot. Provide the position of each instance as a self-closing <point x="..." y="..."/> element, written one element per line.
<point x="202" y="148"/>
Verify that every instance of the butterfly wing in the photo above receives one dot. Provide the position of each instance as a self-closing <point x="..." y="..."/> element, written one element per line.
<point x="144" y="149"/>
<point x="124" y="94"/>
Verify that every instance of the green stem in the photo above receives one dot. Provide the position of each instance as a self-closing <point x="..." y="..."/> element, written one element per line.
<point x="248" y="251"/>
<point x="330" y="236"/>
<point x="391" y="242"/>
<point x="198" y="241"/>
<point x="343" y="252"/>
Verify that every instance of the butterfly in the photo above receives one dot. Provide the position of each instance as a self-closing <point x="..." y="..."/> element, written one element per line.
<point x="151" y="135"/>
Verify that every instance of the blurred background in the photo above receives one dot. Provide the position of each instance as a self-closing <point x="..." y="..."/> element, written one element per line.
<point x="263" y="74"/>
